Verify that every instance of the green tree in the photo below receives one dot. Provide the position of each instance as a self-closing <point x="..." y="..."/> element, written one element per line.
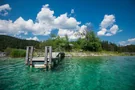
<point x="92" y="42"/>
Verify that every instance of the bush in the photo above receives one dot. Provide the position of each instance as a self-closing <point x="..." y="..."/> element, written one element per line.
<point x="15" y="52"/>
<point x="18" y="53"/>
<point x="8" y="51"/>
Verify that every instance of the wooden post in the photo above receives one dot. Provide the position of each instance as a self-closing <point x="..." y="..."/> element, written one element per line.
<point x="50" y="54"/>
<point x="46" y="52"/>
<point x="31" y="55"/>
<point x="27" y="55"/>
<point x="50" y="57"/>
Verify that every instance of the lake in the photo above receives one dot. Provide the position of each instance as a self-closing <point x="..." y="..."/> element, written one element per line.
<point x="76" y="73"/>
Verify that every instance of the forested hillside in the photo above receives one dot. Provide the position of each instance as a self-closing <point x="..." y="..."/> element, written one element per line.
<point x="90" y="43"/>
<point x="12" y="42"/>
<point x="108" y="46"/>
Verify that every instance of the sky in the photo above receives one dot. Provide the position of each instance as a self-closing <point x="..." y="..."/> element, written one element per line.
<point x="111" y="20"/>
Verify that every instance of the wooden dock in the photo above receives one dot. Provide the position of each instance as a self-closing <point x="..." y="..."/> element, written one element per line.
<point x="48" y="61"/>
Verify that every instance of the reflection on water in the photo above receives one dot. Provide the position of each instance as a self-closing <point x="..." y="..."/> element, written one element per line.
<point x="86" y="73"/>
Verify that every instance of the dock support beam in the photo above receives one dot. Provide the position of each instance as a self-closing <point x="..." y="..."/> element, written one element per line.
<point x="48" y="56"/>
<point x="29" y="55"/>
<point x="45" y="59"/>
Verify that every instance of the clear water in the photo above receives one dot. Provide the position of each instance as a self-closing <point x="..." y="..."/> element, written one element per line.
<point x="86" y="73"/>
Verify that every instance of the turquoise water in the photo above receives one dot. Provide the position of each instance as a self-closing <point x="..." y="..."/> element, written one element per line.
<point x="86" y="73"/>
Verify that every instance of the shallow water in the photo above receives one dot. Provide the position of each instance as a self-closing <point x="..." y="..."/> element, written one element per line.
<point x="86" y="73"/>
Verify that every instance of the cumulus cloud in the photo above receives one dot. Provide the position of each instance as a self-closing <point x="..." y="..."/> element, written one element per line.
<point x="34" y="38"/>
<point x="102" y="32"/>
<point x="44" y="24"/>
<point x="63" y="32"/>
<point x="45" y="15"/>
<point x="65" y="22"/>
<point x="72" y="11"/>
<point x="74" y="34"/>
<point x="107" y="26"/>
<point x="108" y="34"/>
<point x="107" y="21"/>
<point x="17" y="27"/>
<point x="127" y="42"/>
<point x="4" y="9"/>
<point x="114" y="29"/>
<point x="69" y="33"/>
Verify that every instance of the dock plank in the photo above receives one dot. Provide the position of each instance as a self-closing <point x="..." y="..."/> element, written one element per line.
<point x="41" y="59"/>
<point x="54" y="56"/>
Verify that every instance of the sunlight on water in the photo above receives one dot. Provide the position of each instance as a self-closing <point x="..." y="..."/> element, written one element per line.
<point x="86" y="73"/>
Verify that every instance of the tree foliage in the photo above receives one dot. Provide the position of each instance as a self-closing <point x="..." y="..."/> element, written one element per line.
<point x="90" y="42"/>
<point x="12" y="42"/>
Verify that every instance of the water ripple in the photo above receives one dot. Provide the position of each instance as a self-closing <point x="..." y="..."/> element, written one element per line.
<point x="87" y="73"/>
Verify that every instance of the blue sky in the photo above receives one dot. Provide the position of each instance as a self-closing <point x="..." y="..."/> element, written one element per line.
<point x="112" y="20"/>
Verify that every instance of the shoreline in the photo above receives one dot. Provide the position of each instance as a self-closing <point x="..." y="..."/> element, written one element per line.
<point x="87" y="54"/>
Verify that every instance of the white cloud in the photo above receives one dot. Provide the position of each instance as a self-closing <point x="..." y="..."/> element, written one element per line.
<point x="34" y="38"/>
<point x="114" y="29"/>
<point x="45" y="16"/>
<point x="107" y="26"/>
<point x="44" y="24"/>
<point x="4" y="9"/>
<point x="108" y="34"/>
<point x="127" y="42"/>
<point x="83" y="29"/>
<point x="131" y="40"/>
<point x="73" y="35"/>
<point x="120" y="30"/>
<point x="107" y="21"/>
<point x="101" y="32"/>
<point x="8" y="27"/>
<point x="69" y="33"/>
<point x="17" y="27"/>
<point x="65" y="22"/>
<point x="72" y="11"/>
<point x="63" y="32"/>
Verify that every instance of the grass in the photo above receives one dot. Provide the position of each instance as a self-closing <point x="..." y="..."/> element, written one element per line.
<point x="15" y="52"/>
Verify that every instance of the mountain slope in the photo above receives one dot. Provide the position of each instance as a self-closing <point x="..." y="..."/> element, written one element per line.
<point x="12" y="42"/>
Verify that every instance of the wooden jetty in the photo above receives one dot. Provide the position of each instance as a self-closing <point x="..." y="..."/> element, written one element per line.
<point x="48" y="61"/>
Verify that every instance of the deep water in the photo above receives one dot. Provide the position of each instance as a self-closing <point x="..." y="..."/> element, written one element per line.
<point x="85" y="73"/>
